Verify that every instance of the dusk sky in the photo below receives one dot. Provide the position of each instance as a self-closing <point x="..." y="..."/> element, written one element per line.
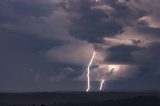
<point x="46" y="45"/>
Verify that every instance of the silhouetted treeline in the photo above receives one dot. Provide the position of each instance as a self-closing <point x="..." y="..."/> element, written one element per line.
<point x="137" y="101"/>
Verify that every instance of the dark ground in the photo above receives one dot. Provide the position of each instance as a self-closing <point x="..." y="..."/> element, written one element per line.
<point x="81" y="99"/>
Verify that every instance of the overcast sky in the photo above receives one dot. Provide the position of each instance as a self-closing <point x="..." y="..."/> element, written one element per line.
<point x="46" y="45"/>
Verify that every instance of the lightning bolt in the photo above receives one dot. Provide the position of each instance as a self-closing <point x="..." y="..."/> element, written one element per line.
<point x="101" y="85"/>
<point x="88" y="71"/>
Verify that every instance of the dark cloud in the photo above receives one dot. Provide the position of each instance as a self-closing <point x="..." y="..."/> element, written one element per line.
<point x="122" y="54"/>
<point x="29" y="29"/>
<point x="136" y="42"/>
<point x="149" y="31"/>
<point x="36" y="8"/>
<point x="150" y="54"/>
<point x="95" y="31"/>
<point x="93" y="24"/>
<point x="124" y="13"/>
<point x="146" y="59"/>
<point x="26" y="8"/>
<point x="139" y="83"/>
<point x="25" y="43"/>
<point x="34" y="17"/>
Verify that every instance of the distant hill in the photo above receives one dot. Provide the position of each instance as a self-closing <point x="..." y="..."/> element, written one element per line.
<point x="136" y="101"/>
<point x="81" y="99"/>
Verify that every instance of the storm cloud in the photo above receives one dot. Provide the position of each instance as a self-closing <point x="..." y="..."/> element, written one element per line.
<point x="46" y="45"/>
